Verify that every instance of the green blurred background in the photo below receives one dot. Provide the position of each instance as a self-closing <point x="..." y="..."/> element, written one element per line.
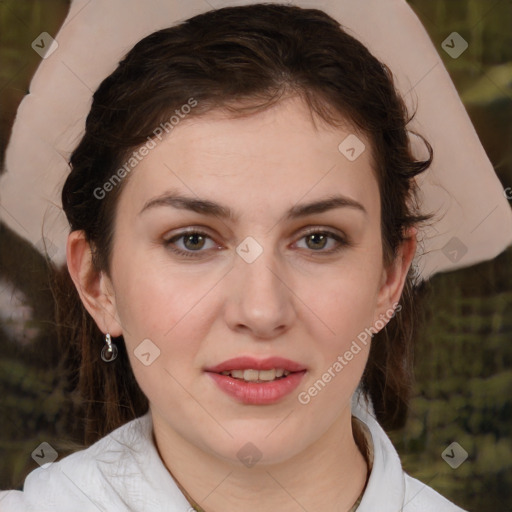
<point x="463" y="391"/>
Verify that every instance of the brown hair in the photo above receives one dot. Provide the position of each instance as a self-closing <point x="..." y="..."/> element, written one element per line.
<point x="241" y="60"/>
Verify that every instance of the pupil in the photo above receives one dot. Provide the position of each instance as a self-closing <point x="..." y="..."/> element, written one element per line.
<point x="318" y="238"/>
<point x="196" y="239"/>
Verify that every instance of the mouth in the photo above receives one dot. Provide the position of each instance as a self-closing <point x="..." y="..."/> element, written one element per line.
<point x="257" y="381"/>
<point x="252" y="375"/>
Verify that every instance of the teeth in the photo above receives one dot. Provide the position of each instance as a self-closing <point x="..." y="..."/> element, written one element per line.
<point x="251" y="375"/>
<point x="267" y="374"/>
<point x="237" y="374"/>
<point x="257" y="376"/>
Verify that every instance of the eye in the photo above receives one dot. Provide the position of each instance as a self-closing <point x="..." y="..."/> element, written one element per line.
<point x="191" y="242"/>
<point x="317" y="240"/>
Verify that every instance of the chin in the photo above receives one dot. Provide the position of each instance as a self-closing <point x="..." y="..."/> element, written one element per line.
<point x="259" y="444"/>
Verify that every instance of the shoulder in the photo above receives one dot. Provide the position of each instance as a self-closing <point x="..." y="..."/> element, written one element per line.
<point x="422" y="498"/>
<point x="389" y="488"/>
<point x="85" y="480"/>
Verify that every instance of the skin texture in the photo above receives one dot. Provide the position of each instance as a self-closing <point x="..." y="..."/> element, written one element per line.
<point x="292" y="301"/>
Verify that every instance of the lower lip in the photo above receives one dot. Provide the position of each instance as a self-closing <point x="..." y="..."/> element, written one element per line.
<point x="257" y="393"/>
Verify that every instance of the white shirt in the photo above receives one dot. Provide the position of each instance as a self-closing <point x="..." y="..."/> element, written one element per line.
<point x="123" y="472"/>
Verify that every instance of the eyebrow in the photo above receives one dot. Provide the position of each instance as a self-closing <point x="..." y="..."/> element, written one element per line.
<point x="211" y="208"/>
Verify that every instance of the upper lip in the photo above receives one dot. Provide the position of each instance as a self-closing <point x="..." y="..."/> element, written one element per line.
<point x="252" y="363"/>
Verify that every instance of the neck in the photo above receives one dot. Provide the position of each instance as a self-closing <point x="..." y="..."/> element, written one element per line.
<point x="330" y="474"/>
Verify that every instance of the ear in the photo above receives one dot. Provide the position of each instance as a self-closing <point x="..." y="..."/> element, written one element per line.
<point x="393" y="277"/>
<point x="94" y="287"/>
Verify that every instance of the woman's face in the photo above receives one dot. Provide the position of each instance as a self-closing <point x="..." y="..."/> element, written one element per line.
<point x="254" y="284"/>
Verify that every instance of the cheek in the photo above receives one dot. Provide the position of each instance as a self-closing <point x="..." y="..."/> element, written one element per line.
<point x="352" y="312"/>
<point x="167" y="308"/>
<point x="163" y="303"/>
<point x="345" y="298"/>
<point x="342" y="343"/>
<point x="343" y="348"/>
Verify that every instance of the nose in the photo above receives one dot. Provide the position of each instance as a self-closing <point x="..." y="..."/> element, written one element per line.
<point x="259" y="301"/>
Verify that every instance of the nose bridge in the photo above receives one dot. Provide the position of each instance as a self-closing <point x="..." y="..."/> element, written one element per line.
<point x="261" y="278"/>
<point x="262" y="302"/>
<point x="259" y="273"/>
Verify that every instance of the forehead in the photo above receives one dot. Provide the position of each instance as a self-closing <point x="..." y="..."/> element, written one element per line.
<point x="278" y="155"/>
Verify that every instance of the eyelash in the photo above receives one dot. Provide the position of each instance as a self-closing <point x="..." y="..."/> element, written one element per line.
<point x="342" y="242"/>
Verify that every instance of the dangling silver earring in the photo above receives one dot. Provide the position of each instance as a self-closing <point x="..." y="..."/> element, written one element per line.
<point x="109" y="351"/>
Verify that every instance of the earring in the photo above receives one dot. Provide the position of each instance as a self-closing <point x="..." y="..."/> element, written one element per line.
<point x="109" y="351"/>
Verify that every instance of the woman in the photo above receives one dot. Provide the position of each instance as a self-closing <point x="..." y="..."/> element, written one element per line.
<point x="243" y="221"/>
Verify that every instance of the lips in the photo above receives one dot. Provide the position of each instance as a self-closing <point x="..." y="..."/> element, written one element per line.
<point x="251" y="363"/>
<point x="248" y="380"/>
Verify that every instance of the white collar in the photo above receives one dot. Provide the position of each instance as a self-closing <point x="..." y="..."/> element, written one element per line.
<point x="123" y="472"/>
<point x="131" y="449"/>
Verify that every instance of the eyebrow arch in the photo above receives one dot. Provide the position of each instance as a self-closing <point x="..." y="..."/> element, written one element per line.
<point x="207" y="207"/>
<point x="331" y="202"/>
